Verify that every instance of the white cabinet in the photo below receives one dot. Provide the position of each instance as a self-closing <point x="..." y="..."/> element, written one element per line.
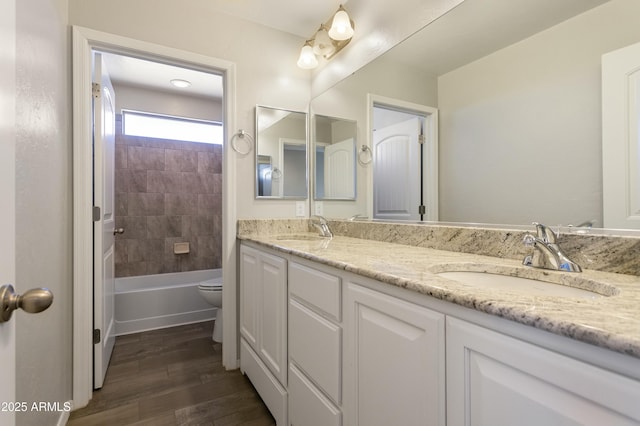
<point x="394" y="369"/>
<point x="315" y="347"/>
<point x="263" y="326"/>
<point x="356" y="356"/>
<point x="493" y="379"/>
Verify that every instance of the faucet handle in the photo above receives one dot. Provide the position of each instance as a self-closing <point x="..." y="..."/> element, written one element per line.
<point x="545" y="233"/>
<point x="529" y="240"/>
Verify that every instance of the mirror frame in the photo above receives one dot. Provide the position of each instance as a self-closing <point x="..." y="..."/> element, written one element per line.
<point x="258" y="155"/>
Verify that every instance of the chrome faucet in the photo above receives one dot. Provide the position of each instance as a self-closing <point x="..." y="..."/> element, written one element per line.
<point x="322" y="225"/>
<point x="550" y="256"/>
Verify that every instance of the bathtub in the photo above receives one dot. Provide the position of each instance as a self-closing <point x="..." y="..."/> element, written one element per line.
<point x="150" y="302"/>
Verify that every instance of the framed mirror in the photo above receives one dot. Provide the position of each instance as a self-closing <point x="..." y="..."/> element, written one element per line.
<point x="281" y="153"/>
<point x="334" y="152"/>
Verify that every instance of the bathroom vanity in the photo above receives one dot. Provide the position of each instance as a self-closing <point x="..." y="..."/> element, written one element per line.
<point x="350" y="331"/>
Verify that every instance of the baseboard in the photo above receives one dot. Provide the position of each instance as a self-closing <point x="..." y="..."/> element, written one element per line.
<point x="64" y="415"/>
<point x="164" y="321"/>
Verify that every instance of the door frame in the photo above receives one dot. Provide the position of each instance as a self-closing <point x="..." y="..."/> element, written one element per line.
<point x="620" y="164"/>
<point x="8" y="190"/>
<point x="430" y="178"/>
<point x="84" y="41"/>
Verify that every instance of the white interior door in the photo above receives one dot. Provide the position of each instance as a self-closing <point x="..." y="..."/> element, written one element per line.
<point x="7" y="195"/>
<point x="339" y="169"/>
<point x="396" y="171"/>
<point x="621" y="138"/>
<point x="104" y="226"/>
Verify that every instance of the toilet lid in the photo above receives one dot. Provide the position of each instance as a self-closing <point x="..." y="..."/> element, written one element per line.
<point x="211" y="284"/>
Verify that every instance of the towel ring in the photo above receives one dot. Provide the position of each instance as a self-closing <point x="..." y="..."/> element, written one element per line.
<point x="365" y="156"/>
<point x="274" y="174"/>
<point x="241" y="134"/>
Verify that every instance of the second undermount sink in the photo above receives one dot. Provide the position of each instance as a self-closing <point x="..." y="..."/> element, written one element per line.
<point x="576" y="287"/>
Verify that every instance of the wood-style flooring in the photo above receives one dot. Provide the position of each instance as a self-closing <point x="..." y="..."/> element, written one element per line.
<point x="172" y="376"/>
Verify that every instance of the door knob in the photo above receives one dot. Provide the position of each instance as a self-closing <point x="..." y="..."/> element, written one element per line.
<point x="33" y="301"/>
<point x="118" y="231"/>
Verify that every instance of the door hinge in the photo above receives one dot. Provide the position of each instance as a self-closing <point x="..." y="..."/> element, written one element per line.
<point x="96" y="336"/>
<point x="95" y="90"/>
<point x="96" y="213"/>
<point x="422" y="210"/>
<point x="421" y="139"/>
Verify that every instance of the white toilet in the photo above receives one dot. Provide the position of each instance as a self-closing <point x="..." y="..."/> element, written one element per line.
<point x="211" y="291"/>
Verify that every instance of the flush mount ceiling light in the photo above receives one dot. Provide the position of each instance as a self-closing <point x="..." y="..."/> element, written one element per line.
<point x="180" y="83"/>
<point x="326" y="43"/>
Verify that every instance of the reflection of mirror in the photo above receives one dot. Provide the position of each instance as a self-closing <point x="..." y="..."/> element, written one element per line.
<point x="517" y="88"/>
<point x="334" y="140"/>
<point x="281" y="153"/>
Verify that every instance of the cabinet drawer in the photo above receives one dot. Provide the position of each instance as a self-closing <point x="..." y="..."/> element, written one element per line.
<point x="314" y="346"/>
<point x="307" y="405"/>
<point x="319" y="289"/>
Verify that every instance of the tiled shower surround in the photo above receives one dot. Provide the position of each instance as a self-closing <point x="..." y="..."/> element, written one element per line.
<point x="167" y="192"/>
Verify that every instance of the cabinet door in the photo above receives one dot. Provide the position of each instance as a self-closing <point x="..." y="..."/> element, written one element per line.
<point x="249" y="294"/>
<point x="272" y="311"/>
<point x="493" y="379"/>
<point x="394" y="361"/>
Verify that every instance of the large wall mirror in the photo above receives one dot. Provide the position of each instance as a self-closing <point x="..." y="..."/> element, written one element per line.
<point x="281" y="153"/>
<point x="334" y="152"/>
<point x="517" y="86"/>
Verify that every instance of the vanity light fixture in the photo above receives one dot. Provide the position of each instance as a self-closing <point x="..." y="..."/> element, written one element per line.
<point x="177" y="82"/>
<point x="327" y="42"/>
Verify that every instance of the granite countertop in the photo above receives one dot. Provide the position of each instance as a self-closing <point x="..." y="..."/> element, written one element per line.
<point x="611" y="321"/>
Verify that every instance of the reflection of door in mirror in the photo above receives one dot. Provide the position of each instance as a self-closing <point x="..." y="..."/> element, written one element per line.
<point x="396" y="170"/>
<point x="404" y="144"/>
<point x="339" y="169"/>
<point x="621" y="138"/>
<point x="335" y="160"/>
<point x="292" y="176"/>
<point x="264" y="176"/>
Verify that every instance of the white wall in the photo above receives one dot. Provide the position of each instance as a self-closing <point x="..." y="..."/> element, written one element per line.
<point x="43" y="203"/>
<point x="265" y="59"/>
<point x="170" y="103"/>
<point x="519" y="123"/>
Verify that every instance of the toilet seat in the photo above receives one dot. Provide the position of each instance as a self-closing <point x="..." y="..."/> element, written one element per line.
<point x="212" y="284"/>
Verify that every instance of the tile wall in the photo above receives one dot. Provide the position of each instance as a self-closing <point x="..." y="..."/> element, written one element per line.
<point x="167" y="192"/>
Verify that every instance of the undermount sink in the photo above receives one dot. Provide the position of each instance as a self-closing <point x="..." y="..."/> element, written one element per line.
<point x="301" y="237"/>
<point x="575" y="287"/>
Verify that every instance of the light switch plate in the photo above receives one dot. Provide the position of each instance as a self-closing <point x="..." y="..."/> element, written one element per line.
<point x="300" y="209"/>
<point x="317" y="208"/>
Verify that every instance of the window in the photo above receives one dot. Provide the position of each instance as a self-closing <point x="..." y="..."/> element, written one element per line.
<point x="135" y="123"/>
